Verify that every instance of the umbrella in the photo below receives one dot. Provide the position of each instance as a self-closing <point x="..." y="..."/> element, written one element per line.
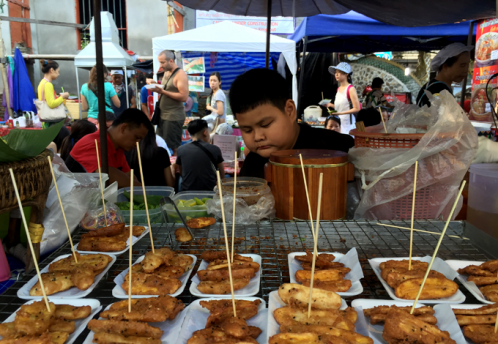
<point x="22" y="88"/>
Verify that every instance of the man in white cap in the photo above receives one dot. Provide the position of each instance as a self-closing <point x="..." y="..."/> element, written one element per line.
<point x="119" y="87"/>
<point x="451" y="65"/>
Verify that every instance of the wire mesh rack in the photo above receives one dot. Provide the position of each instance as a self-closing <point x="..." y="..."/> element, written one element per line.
<point x="273" y="241"/>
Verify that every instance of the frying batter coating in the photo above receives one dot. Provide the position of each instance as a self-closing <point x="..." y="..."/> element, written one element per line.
<point x="335" y="286"/>
<point x="168" y="271"/>
<point x="210" y="256"/>
<point x="402" y="327"/>
<point x="201" y="222"/>
<point x="394" y="279"/>
<point x="475" y="270"/>
<point x="235" y="327"/>
<point x="298" y="294"/>
<point x="106" y="231"/>
<point x="101" y="244"/>
<point x="480" y="333"/>
<point x="45" y="338"/>
<point x="69" y="312"/>
<point x="488" y="309"/>
<point x="34" y="319"/>
<point x="379" y="314"/>
<point x="125" y="328"/>
<point x="182" y="235"/>
<point x="154" y="260"/>
<point x="294" y="338"/>
<point x="147" y="284"/>
<point x="151" y="309"/>
<point x="350" y="336"/>
<point x="111" y="338"/>
<point x="53" y="282"/>
<point x="490" y="292"/>
<point x="214" y="306"/>
<point x="137" y="230"/>
<point x="254" y="332"/>
<point x="8" y="331"/>
<point x="215" y="335"/>
<point x="476" y="319"/>
<point x="479" y="280"/>
<point x="416" y="264"/>
<point x="322" y="265"/>
<point x="61" y="325"/>
<point x="94" y="261"/>
<point x="434" y="288"/>
<point x="82" y="277"/>
<point x="322" y="275"/>
<point x="491" y="265"/>
<point x="221" y="288"/>
<point x="218" y="316"/>
<point x="181" y="260"/>
<point x="308" y="257"/>
<point x="223" y="264"/>
<point x="288" y="316"/>
<point x="223" y="275"/>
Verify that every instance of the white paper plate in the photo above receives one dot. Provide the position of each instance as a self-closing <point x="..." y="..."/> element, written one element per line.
<point x="152" y="86"/>
<point x="467" y="306"/>
<point x="275" y="302"/>
<point x="120" y="293"/>
<point x="72" y="293"/>
<point x="171" y="328"/>
<point x="249" y="290"/>
<point x="350" y="260"/>
<point x="471" y="286"/>
<point x="438" y="265"/>
<point x="446" y="318"/>
<point x="79" y="324"/>
<point x="135" y="239"/>
<point x="197" y="316"/>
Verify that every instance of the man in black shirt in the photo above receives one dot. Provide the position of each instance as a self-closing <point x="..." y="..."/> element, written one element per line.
<point x="267" y="119"/>
<point x="452" y="65"/>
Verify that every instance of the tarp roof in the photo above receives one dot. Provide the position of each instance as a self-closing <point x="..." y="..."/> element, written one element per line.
<point x="356" y="33"/>
<point x="227" y="37"/>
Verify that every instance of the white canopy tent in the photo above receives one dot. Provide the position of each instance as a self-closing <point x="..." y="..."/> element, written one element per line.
<point x="227" y="37"/>
<point x="114" y="55"/>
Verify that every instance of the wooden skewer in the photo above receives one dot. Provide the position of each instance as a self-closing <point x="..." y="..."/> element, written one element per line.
<point x="307" y="197"/>
<point x="315" y="249"/>
<point x="234" y="203"/>
<point x="226" y="242"/>
<point x="145" y="197"/>
<point x="131" y="240"/>
<point x="419" y="230"/>
<point x="437" y="247"/>
<point x="62" y="209"/>
<point x="413" y="215"/>
<point x="382" y="118"/>
<point x="322" y="96"/>
<point x="29" y="238"/>
<point x="101" y="185"/>
<point x="496" y="322"/>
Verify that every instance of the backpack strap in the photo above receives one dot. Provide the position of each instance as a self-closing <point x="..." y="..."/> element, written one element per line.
<point x="347" y="92"/>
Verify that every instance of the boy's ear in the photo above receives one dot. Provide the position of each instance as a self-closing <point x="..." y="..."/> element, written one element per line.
<point x="290" y="109"/>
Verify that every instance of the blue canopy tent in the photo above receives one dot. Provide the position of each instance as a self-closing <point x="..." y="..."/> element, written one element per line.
<point x="355" y="33"/>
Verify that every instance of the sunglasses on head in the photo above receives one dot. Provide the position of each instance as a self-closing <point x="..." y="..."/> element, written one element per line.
<point x="332" y="116"/>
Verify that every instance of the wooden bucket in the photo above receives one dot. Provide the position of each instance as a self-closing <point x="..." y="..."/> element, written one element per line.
<point x="285" y="176"/>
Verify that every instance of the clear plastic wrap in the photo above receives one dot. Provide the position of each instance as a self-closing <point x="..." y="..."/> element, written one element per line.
<point x="444" y="153"/>
<point x="94" y="217"/>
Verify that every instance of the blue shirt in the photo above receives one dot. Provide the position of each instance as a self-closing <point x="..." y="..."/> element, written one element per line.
<point x="93" y="101"/>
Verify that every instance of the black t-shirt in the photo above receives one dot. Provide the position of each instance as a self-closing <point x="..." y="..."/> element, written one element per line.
<point x="153" y="168"/>
<point x="309" y="138"/>
<point x="435" y="87"/>
<point x="197" y="170"/>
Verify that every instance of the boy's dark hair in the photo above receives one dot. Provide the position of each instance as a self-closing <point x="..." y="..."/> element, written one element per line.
<point x="258" y="87"/>
<point x="134" y="118"/>
<point x="196" y="126"/>
<point x="377" y="83"/>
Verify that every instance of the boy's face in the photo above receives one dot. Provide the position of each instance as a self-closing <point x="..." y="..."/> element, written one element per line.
<point x="266" y="129"/>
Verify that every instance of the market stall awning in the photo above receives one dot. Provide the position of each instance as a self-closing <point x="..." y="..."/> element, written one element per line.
<point x="400" y="12"/>
<point x="356" y="33"/>
<point x="227" y="37"/>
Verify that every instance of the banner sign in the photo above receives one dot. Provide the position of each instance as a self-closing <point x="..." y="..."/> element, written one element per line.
<point x="486" y="65"/>
<point x="194" y="65"/>
<point x="279" y="25"/>
<point x="195" y="83"/>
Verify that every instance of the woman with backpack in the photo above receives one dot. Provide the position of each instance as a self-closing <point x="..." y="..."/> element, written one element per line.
<point x="346" y="103"/>
<point x="90" y="100"/>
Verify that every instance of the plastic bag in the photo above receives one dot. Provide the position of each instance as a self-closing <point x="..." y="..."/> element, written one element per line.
<point x="76" y="191"/>
<point x="94" y="218"/>
<point x="244" y="214"/>
<point x="444" y="154"/>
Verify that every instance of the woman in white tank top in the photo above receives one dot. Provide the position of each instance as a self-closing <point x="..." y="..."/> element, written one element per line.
<point x="341" y="104"/>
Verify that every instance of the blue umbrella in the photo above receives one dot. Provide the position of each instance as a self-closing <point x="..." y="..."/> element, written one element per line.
<point x="23" y="90"/>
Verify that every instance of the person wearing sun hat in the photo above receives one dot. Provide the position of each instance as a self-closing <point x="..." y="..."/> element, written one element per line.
<point x="452" y="65"/>
<point x="346" y="101"/>
<point x="120" y="88"/>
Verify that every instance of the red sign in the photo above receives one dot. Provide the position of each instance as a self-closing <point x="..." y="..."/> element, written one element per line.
<point x="402" y="97"/>
<point x="486" y="64"/>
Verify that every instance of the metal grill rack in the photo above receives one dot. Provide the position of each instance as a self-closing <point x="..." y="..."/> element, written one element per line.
<point x="273" y="241"/>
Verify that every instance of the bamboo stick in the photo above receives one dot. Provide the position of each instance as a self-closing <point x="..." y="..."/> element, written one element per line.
<point x="234" y="204"/>
<point x="413" y="214"/>
<point x="419" y="230"/>
<point x="130" y="247"/>
<point x="307" y="196"/>
<point x="145" y="197"/>
<point x="382" y="118"/>
<point x="315" y="248"/>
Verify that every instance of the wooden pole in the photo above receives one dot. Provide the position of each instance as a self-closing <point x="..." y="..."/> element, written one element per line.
<point x="131" y="241"/>
<point x="437" y="247"/>
<point x="234" y="204"/>
<point x="413" y="215"/>
<point x="62" y="210"/>
<point x="315" y="248"/>
<point x="145" y="197"/>
<point x="226" y="242"/>
<point x="4" y="74"/>
<point x="102" y="185"/>
<point x="29" y="238"/>
<point x="268" y="32"/>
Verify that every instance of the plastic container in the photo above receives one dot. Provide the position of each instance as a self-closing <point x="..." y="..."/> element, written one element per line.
<point x="140" y="216"/>
<point x="190" y="212"/>
<point x="4" y="265"/>
<point x="482" y="209"/>
<point x="248" y="188"/>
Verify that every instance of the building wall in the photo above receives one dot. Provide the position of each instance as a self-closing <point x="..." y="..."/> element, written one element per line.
<point x="5" y="25"/>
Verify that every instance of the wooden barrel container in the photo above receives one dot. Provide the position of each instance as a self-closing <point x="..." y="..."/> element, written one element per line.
<point x="285" y="176"/>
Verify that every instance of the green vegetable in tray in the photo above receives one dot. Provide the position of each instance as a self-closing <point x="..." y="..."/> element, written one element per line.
<point x="153" y="202"/>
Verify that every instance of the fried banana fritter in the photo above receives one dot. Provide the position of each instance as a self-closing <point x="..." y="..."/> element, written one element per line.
<point x="125" y="328"/>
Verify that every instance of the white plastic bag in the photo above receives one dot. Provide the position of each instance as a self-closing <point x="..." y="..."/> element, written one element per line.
<point x="444" y="154"/>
